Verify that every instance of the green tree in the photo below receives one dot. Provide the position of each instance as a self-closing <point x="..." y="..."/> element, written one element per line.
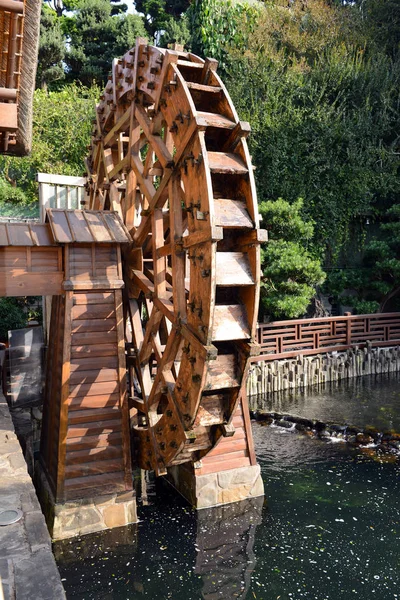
<point x="220" y="26"/>
<point x="290" y="271"/>
<point x="382" y="17"/>
<point x="161" y="14"/>
<point x="12" y="316"/>
<point x="61" y="132"/>
<point x="98" y="32"/>
<point x="51" y="49"/>
<point x="324" y="127"/>
<point x="176" y="31"/>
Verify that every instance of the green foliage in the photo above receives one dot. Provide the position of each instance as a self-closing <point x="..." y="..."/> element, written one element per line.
<point x="382" y="18"/>
<point x="97" y="37"/>
<point x="220" y="26"/>
<point x="159" y="15"/>
<point x="61" y="132"/>
<point x="51" y="48"/>
<point x="377" y="282"/>
<point x="319" y="82"/>
<point x="14" y="202"/>
<point x="176" y="32"/>
<point x="12" y="316"/>
<point x="290" y="271"/>
<point x="327" y="134"/>
<point x="365" y="307"/>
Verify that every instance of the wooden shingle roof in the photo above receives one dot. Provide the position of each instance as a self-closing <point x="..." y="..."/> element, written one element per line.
<point x="26" y="234"/>
<point x="67" y="227"/>
<point x="87" y="226"/>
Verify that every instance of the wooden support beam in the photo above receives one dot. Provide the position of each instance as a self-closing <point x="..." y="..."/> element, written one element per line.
<point x="12" y="6"/>
<point x="121" y="125"/>
<point x="8" y="93"/>
<point x="8" y="117"/>
<point x="155" y="141"/>
<point x="215" y="234"/>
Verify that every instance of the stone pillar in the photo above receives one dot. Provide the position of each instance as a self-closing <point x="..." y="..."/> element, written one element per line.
<point x="228" y="473"/>
<point x="216" y="489"/>
<point x="84" y="515"/>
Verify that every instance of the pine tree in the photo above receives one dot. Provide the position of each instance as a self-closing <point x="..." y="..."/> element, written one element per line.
<point x="51" y="49"/>
<point x="97" y="35"/>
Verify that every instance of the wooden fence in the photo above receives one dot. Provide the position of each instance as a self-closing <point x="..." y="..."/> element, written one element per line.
<point x="286" y="339"/>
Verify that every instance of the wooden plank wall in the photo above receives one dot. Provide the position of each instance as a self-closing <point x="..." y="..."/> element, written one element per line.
<point x="27" y="271"/>
<point x="95" y="456"/>
<point x="232" y="452"/>
<point x="86" y="443"/>
<point x="93" y="261"/>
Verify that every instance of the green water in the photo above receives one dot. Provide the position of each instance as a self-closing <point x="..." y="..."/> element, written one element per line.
<point x="329" y="531"/>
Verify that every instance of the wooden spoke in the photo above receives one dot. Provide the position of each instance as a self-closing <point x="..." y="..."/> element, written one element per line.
<point x="169" y="154"/>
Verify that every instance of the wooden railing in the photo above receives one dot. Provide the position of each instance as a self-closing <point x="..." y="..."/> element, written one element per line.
<point x="285" y="339"/>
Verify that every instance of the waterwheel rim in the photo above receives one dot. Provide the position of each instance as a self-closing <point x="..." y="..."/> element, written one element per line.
<point x="169" y="154"/>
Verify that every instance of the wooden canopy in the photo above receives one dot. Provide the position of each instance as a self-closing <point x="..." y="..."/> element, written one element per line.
<point x="19" y="40"/>
<point x="87" y="226"/>
<point x="66" y="227"/>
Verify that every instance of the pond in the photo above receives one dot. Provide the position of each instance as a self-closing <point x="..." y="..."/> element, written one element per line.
<point x="329" y="530"/>
<point x="362" y="402"/>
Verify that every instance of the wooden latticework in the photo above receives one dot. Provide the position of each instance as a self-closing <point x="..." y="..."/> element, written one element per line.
<point x="285" y="339"/>
<point x="169" y="154"/>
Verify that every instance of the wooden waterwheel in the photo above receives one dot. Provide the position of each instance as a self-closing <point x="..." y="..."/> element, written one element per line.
<point x="169" y="154"/>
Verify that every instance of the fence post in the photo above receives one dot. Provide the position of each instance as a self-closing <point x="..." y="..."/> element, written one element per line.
<point x="348" y="329"/>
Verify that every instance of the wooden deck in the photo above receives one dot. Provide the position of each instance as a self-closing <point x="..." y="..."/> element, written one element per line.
<point x="286" y="339"/>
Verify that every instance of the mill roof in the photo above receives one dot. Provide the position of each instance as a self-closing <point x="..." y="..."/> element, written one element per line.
<point x="67" y="227"/>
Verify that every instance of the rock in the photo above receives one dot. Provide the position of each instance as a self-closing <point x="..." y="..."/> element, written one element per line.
<point x="371" y="452"/>
<point x="364" y="439"/>
<point x="284" y="424"/>
<point x="319" y="426"/>
<point x="309" y="433"/>
<point x="299" y="420"/>
<point x="300" y="427"/>
<point x="38" y="536"/>
<point x="37" y="577"/>
<point x="207" y="496"/>
<point x="17" y="461"/>
<point x="233" y="495"/>
<point x="338" y="428"/>
<point x="324" y="435"/>
<point x="264" y="416"/>
<point x="114" y="515"/>
<point x="388" y="458"/>
<point x="354" y="430"/>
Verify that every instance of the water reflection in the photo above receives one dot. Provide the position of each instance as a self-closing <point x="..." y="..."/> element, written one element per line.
<point x="174" y="552"/>
<point x="98" y="566"/>
<point x="361" y="402"/>
<point x="225" y="540"/>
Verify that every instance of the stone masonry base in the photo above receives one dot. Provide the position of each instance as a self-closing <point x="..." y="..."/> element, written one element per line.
<point x="216" y="489"/>
<point x="86" y="515"/>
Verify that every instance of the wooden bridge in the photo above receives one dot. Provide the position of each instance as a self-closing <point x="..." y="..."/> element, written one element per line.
<point x="287" y="339"/>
